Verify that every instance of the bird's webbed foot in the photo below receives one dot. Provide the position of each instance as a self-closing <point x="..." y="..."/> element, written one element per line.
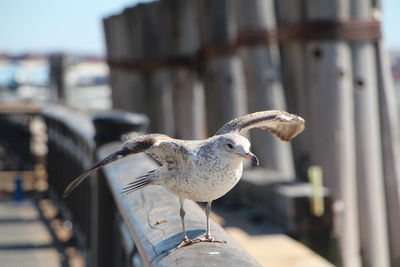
<point x="208" y="238"/>
<point x="186" y="242"/>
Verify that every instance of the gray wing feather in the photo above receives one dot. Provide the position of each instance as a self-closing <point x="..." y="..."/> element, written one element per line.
<point x="284" y="125"/>
<point x="133" y="146"/>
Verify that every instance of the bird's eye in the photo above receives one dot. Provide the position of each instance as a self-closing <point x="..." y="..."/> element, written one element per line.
<point x="229" y="145"/>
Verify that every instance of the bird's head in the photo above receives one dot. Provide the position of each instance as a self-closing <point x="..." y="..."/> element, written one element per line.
<point x="235" y="146"/>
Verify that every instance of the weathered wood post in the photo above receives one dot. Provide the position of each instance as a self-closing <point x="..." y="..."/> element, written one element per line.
<point x="57" y="77"/>
<point x="390" y="151"/>
<point x="390" y="145"/>
<point x="182" y="30"/>
<point x="293" y="60"/>
<point x="264" y="89"/>
<point x="222" y="72"/>
<point x="109" y="43"/>
<point x="133" y="77"/>
<point x="372" y="208"/>
<point x="331" y="124"/>
<point x="117" y="52"/>
<point x="124" y="40"/>
<point x="159" y="89"/>
<point x="125" y="92"/>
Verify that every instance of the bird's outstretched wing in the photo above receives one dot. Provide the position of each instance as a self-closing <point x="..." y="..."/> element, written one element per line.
<point x="284" y="125"/>
<point x="159" y="146"/>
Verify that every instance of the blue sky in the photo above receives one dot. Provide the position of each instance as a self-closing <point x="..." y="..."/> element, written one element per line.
<point x="75" y="25"/>
<point x="55" y="25"/>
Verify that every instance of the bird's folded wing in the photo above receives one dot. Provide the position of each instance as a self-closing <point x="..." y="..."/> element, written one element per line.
<point x="284" y="125"/>
<point x="153" y="143"/>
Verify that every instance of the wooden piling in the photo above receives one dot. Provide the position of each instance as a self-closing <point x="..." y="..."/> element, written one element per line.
<point x="134" y="79"/>
<point x="121" y="95"/>
<point x="159" y="90"/>
<point x="264" y="88"/>
<point x="331" y="124"/>
<point x="222" y="70"/>
<point x="109" y="42"/>
<point x="372" y="210"/>
<point x="57" y="77"/>
<point x="182" y="35"/>
<point x="390" y="145"/>
<point x="293" y="59"/>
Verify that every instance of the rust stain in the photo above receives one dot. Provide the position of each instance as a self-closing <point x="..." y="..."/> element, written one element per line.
<point x="161" y="222"/>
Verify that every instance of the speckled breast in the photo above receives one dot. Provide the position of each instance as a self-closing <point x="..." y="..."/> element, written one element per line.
<point x="205" y="184"/>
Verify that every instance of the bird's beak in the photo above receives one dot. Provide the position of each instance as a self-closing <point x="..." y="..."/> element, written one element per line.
<point x="253" y="158"/>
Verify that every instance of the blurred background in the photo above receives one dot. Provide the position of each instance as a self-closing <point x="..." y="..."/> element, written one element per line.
<point x="78" y="74"/>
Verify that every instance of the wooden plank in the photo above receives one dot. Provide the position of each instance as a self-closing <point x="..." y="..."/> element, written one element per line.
<point x="287" y="205"/>
<point x="371" y="199"/>
<point x="24" y="238"/>
<point x="152" y="216"/>
<point x="264" y="88"/>
<point x="223" y="74"/>
<point x="278" y="250"/>
<point x="331" y="124"/>
<point x="18" y="106"/>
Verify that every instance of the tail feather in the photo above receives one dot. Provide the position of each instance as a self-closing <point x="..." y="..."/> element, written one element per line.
<point x="137" y="184"/>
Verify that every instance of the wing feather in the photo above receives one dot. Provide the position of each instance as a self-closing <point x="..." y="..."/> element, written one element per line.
<point x="284" y="125"/>
<point x="153" y="143"/>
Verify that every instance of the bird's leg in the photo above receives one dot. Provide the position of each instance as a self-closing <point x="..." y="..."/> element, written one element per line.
<point x="186" y="241"/>
<point x="182" y="214"/>
<point x="208" y="210"/>
<point x="208" y="237"/>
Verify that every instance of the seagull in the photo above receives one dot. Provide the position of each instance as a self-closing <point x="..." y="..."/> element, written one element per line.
<point x="200" y="170"/>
